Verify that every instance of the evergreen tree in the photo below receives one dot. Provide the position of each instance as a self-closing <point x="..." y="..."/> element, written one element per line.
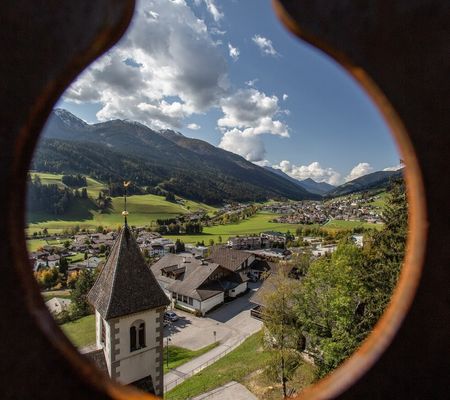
<point x="80" y="305"/>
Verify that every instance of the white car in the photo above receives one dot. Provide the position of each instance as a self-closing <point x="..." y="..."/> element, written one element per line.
<point x="171" y="316"/>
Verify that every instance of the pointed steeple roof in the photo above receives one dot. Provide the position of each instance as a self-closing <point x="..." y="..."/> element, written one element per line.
<point x="125" y="285"/>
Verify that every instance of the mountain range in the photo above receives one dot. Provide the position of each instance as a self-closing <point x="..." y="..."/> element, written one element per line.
<point x="374" y="180"/>
<point x="119" y="150"/>
<point x="320" y="188"/>
<point x="166" y="161"/>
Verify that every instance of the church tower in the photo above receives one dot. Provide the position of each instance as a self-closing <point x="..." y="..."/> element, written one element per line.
<point x="129" y="306"/>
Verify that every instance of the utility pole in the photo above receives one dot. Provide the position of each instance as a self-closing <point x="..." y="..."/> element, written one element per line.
<point x="167" y="351"/>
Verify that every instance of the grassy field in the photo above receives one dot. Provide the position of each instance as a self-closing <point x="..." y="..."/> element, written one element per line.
<point x="81" y="332"/>
<point x="180" y="355"/>
<point x="337" y="224"/>
<point x="93" y="186"/>
<point x="235" y="366"/>
<point x="257" y="223"/>
<point x="381" y="201"/>
<point x="143" y="209"/>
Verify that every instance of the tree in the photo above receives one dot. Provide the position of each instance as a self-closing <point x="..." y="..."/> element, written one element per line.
<point x="179" y="246"/>
<point x="63" y="266"/>
<point x="80" y="306"/>
<point x="283" y="329"/>
<point x="329" y="306"/>
<point x="170" y="197"/>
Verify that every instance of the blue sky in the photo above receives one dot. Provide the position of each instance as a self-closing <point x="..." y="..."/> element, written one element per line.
<point x="221" y="72"/>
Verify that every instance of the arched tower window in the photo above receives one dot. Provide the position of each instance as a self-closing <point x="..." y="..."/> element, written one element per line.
<point x="133" y="346"/>
<point x="137" y="335"/>
<point x="141" y="335"/>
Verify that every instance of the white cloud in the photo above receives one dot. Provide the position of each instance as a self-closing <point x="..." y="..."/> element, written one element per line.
<point x="263" y="163"/>
<point x="216" y="31"/>
<point x="253" y="112"/>
<point x="285" y="97"/>
<point x="212" y="8"/>
<point x="251" y="82"/>
<point x="234" y="52"/>
<point x="163" y="83"/>
<point x="247" y="145"/>
<point x="265" y="45"/>
<point x="314" y="171"/>
<point x="394" y="168"/>
<point x="359" y="170"/>
<point x="194" y="126"/>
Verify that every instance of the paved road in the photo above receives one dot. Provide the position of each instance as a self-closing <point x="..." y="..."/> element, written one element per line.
<point x="232" y="323"/>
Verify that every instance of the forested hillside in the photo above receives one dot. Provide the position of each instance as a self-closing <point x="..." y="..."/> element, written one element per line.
<point x="121" y="150"/>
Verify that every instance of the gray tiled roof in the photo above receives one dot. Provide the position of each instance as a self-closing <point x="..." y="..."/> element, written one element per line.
<point x="228" y="258"/>
<point x="194" y="280"/>
<point x="98" y="358"/>
<point x="125" y="285"/>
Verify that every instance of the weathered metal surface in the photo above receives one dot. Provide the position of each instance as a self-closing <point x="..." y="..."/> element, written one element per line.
<point x="398" y="50"/>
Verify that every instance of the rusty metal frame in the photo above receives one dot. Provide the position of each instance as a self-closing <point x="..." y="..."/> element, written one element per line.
<point x="397" y="50"/>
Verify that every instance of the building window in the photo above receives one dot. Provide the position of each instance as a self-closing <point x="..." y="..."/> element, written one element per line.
<point x="137" y="335"/>
<point x="141" y="335"/>
<point x="133" y="346"/>
<point x="191" y="300"/>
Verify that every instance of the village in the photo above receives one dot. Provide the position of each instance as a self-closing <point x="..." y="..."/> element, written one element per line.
<point x="181" y="268"/>
<point x="349" y="208"/>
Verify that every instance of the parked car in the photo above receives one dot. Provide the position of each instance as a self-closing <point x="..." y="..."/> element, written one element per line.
<point x="171" y="316"/>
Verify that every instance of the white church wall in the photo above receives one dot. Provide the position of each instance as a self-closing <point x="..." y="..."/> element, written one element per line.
<point x="137" y="366"/>
<point x="140" y="363"/>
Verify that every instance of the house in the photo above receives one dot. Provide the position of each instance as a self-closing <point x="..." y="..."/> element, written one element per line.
<point x="234" y="260"/>
<point x="53" y="260"/>
<point x="244" y="242"/>
<point x="197" y="251"/>
<point x="197" y="285"/>
<point x="57" y="304"/>
<point x="90" y="264"/>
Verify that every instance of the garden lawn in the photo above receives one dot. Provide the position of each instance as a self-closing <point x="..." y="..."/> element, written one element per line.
<point x="80" y="332"/>
<point x="234" y="366"/>
<point x="180" y="355"/>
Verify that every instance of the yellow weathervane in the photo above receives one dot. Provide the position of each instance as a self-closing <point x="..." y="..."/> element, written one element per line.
<point x="125" y="212"/>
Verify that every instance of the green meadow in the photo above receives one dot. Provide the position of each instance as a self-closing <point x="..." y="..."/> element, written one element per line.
<point x="336" y="224"/>
<point x="257" y="223"/>
<point x="143" y="209"/>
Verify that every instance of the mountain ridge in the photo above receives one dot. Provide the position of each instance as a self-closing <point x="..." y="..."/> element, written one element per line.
<point x="319" y="188"/>
<point x="190" y="168"/>
<point x="374" y="180"/>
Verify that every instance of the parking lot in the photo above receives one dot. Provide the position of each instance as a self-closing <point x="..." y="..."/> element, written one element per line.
<point x="230" y="321"/>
